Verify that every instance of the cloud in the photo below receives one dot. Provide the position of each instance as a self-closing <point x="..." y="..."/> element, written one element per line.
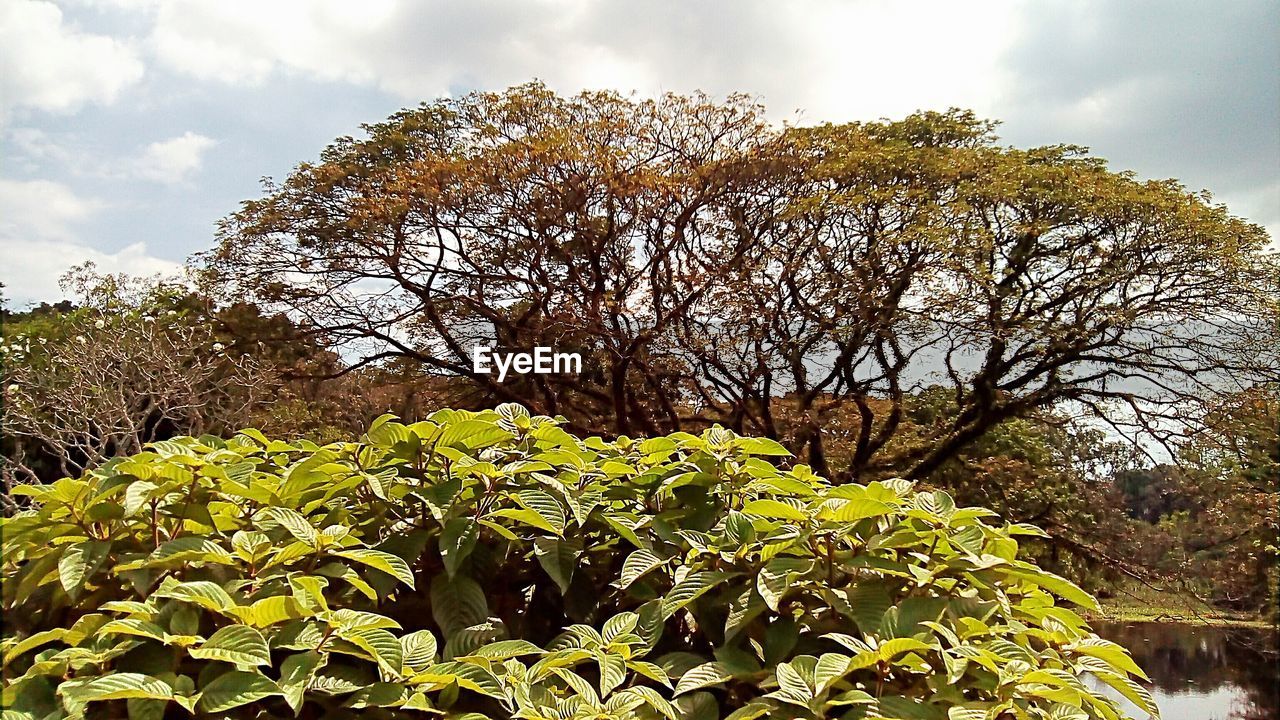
<point x="243" y="41"/>
<point x="169" y="161"/>
<point x="1181" y="89"/>
<point x="41" y="210"/>
<point x="52" y="66"/>
<point x="32" y="149"/>
<point x="1184" y="90"/>
<point x="172" y="160"/>
<point x="829" y="57"/>
<point x="38" y="227"/>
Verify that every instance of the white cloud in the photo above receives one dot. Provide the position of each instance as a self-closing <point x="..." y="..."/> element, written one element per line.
<point x="33" y="150"/>
<point x="34" y="277"/>
<point x="1183" y="89"/>
<point x="1125" y="78"/>
<point x="833" y="59"/>
<point x="52" y="66"/>
<point x="38" y="241"/>
<point x="172" y="160"/>
<point x="242" y="41"/>
<point x="41" y="210"/>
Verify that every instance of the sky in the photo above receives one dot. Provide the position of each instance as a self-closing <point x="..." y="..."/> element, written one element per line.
<point x="128" y="128"/>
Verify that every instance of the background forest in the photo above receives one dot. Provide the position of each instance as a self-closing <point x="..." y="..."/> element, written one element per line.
<point x="1025" y="328"/>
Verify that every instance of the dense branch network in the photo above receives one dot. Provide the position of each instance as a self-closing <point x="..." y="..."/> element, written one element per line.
<point x="712" y="267"/>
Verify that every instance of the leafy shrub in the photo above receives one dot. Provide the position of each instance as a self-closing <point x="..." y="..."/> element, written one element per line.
<point x="492" y="565"/>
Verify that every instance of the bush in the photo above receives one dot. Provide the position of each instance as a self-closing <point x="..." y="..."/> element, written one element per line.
<point x="492" y="565"/>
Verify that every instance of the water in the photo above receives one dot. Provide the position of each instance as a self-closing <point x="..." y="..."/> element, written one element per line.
<point x="1204" y="673"/>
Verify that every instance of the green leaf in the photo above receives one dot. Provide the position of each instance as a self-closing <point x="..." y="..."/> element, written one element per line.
<point x="546" y="506"/>
<point x="238" y="644"/>
<point x="867" y="604"/>
<point x="693" y="586"/>
<point x="297" y="525"/>
<point x="145" y="708"/>
<point x="136" y="495"/>
<point x="309" y="592"/>
<point x="704" y="675"/>
<point x="472" y="434"/>
<point x="909" y="708"/>
<point x="468" y="640"/>
<point x="418" y="649"/>
<point x="655" y="701"/>
<point x="233" y="689"/>
<point x="380" y="644"/>
<point x="295" y="674"/>
<point x="558" y="559"/>
<point x="829" y="669"/>
<point x="185" y="620"/>
<point x="1059" y="586"/>
<point x="206" y="594"/>
<point x="762" y="446"/>
<point x="1109" y="652"/>
<point x="579" y="685"/>
<point x="1132" y="691"/>
<point x="185" y="549"/>
<point x="777" y="577"/>
<point x="774" y="509"/>
<point x="121" y="686"/>
<point x="637" y="564"/>
<point x="792" y="688"/>
<point x="137" y="628"/>
<point x="269" y="611"/>
<point x="392" y="565"/>
<point x="893" y="648"/>
<point x="34" y="641"/>
<point x="526" y="516"/>
<point x="613" y="672"/>
<point x="457" y="540"/>
<point x="860" y="509"/>
<point x="746" y="607"/>
<point x="72" y="566"/>
<point x="505" y="649"/>
<point x="467" y="676"/>
<point x="620" y="624"/>
<point x="342" y="572"/>
<point x="457" y="603"/>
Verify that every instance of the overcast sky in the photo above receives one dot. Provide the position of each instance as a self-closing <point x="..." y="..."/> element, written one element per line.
<point x="129" y="127"/>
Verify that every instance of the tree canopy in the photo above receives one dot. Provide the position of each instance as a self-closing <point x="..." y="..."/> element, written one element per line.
<point x="711" y="266"/>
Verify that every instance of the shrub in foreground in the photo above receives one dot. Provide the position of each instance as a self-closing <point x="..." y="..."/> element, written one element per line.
<point x="490" y="565"/>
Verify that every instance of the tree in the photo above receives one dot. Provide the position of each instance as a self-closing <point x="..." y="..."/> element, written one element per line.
<point x="711" y="267"/>
<point x="124" y="366"/>
<point x="591" y="224"/>
<point x="1234" y="473"/>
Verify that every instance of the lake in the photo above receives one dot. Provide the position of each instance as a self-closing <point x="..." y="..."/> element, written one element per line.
<point x="1203" y="673"/>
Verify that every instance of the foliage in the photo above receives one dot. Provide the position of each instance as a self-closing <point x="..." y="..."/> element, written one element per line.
<point x="1048" y="470"/>
<point x="706" y="262"/>
<point x="131" y="362"/>
<point x="1231" y="534"/>
<point x="140" y="359"/>
<point x="1208" y="527"/>
<point x="490" y="564"/>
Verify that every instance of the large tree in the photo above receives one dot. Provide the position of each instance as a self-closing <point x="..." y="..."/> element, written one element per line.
<point x="711" y="266"/>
